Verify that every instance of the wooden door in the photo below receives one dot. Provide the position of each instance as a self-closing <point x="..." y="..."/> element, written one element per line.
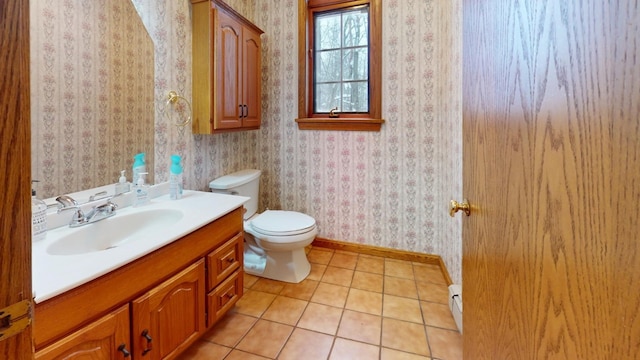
<point x="251" y="78"/>
<point x="551" y="122"/>
<point x="170" y="317"/>
<point x="106" y="338"/>
<point x="228" y="85"/>
<point x="15" y="167"/>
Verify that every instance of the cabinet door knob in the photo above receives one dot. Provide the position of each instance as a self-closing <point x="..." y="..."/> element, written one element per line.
<point x="123" y="349"/>
<point x="145" y="334"/>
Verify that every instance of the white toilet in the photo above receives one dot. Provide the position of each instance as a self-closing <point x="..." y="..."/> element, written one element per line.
<point x="275" y="239"/>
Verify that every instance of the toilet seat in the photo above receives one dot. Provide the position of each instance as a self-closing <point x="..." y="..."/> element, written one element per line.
<point x="282" y="223"/>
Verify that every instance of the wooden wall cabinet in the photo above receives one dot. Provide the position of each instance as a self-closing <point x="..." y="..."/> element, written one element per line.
<point x="164" y="301"/>
<point x="227" y="85"/>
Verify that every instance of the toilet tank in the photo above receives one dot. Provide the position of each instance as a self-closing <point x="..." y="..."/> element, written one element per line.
<point x="244" y="183"/>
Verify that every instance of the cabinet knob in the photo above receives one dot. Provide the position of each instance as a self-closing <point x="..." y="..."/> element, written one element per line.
<point x="145" y="334"/>
<point x="123" y="349"/>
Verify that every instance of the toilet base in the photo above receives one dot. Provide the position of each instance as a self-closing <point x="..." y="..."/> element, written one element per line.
<point x="288" y="266"/>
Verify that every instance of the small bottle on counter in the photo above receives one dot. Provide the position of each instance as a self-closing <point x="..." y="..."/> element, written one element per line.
<point x="175" y="178"/>
<point x="38" y="217"/>
<point x="122" y="186"/>
<point x="141" y="191"/>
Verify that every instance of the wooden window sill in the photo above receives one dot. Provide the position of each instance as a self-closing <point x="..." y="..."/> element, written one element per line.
<point x="343" y="124"/>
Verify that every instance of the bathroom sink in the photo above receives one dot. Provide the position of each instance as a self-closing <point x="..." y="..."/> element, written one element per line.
<point x="114" y="232"/>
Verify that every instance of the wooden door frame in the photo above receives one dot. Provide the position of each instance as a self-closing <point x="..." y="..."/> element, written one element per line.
<point x="15" y="167"/>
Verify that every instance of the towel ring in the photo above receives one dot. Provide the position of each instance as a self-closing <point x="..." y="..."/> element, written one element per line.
<point x="173" y="99"/>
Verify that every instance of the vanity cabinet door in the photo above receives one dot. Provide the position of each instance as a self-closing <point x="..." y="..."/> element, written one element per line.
<point x="171" y="316"/>
<point x="104" y="339"/>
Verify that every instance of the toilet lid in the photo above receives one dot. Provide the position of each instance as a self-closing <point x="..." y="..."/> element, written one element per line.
<point x="280" y="223"/>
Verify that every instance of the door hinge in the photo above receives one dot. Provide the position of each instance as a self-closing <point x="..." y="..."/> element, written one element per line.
<point x="14" y="319"/>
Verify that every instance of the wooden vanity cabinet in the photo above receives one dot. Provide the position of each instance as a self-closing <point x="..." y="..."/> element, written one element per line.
<point x="163" y="301"/>
<point x="227" y="74"/>
<point x="105" y="338"/>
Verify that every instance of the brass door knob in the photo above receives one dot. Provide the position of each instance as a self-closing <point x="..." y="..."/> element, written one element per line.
<point x="455" y="206"/>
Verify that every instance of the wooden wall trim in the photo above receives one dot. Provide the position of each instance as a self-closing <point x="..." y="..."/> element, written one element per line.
<point x="384" y="252"/>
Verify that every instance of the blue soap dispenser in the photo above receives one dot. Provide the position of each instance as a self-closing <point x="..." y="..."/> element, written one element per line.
<point x="175" y="178"/>
<point x="139" y="166"/>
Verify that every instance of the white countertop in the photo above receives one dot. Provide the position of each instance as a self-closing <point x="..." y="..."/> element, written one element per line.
<point x="54" y="274"/>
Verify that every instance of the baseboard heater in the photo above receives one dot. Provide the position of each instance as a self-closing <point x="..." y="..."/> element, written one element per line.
<point x="455" y="304"/>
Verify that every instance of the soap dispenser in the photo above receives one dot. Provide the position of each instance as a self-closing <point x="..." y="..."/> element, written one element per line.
<point x="122" y="186"/>
<point x="139" y="166"/>
<point x="141" y="191"/>
<point x="38" y="217"/>
<point x="175" y="178"/>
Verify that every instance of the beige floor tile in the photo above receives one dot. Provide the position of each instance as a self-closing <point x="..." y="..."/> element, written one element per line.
<point x="400" y="287"/>
<point x="329" y="294"/>
<point x="337" y="276"/>
<point x="364" y="301"/>
<point x="360" y="327"/>
<point x="321" y="318"/>
<point x="285" y="310"/>
<point x="438" y="315"/>
<point x="367" y="281"/>
<point x="320" y="256"/>
<point x="307" y="345"/>
<point x="404" y="336"/>
<point x="390" y="354"/>
<point x="398" y="268"/>
<point x="428" y="273"/>
<point x="266" y="338"/>
<point x="433" y="292"/>
<point x="249" y="280"/>
<point x="371" y="264"/>
<point x="241" y="355"/>
<point x="230" y="329"/>
<point x="269" y="286"/>
<point x="204" y="350"/>
<point x="344" y="349"/>
<point x="344" y="260"/>
<point x="402" y="309"/>
<point x="316" y="272"/>
<point x="302" y="290"/>
<point x="254" y="303"/>
<point x="445" y="344"/>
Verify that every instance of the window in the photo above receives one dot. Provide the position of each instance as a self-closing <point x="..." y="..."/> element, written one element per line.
<point x="339" y="65"/>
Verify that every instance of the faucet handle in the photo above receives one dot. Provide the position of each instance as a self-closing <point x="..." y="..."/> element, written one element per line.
<point x="66" y="201"/>
<point x="78" y="215"/>
<point x="98" y="196"/>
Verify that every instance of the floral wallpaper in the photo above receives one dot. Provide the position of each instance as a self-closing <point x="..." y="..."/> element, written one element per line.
<point x="389" y="188"/>
<point x="91" y="93"/>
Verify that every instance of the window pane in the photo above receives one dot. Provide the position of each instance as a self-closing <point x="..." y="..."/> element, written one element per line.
<point x="355" y="27"/>
<point x="355" y="97"/>
<point x="355" y="64"/>
<point x="327" y="97"/>
<point x="327" y="31"/>
<point x="327" y="66"/>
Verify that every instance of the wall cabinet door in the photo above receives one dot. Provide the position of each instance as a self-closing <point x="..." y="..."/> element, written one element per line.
<point x="171" y="316"/>
<point x="104" y="339"/>
<point x="227" y="75"/>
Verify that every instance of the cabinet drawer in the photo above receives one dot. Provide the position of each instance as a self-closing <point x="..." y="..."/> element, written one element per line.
<point x="225" y="260"/>
<point x="220" y="300"/>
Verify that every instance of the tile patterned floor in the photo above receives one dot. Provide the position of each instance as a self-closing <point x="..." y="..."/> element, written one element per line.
<point x="351" y="306"/>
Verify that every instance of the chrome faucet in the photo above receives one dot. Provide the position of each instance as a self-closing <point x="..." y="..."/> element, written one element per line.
<point x="79" y="218"/>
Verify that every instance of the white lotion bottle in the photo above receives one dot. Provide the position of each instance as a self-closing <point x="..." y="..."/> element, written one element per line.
<point x="122" y="186"/>
<point x="38" y="217"/>
<point x="141" y="191"/>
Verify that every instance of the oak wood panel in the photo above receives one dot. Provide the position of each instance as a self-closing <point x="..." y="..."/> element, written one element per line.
<point x="251" y="78"/>
<point x="225" y="260"/>
<point x="98" y="296"/>
<point x="228" y="90"/>
<point x="15" y="167"/>
<point x="551" y="260"/>
<point x="98" y="340"/>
